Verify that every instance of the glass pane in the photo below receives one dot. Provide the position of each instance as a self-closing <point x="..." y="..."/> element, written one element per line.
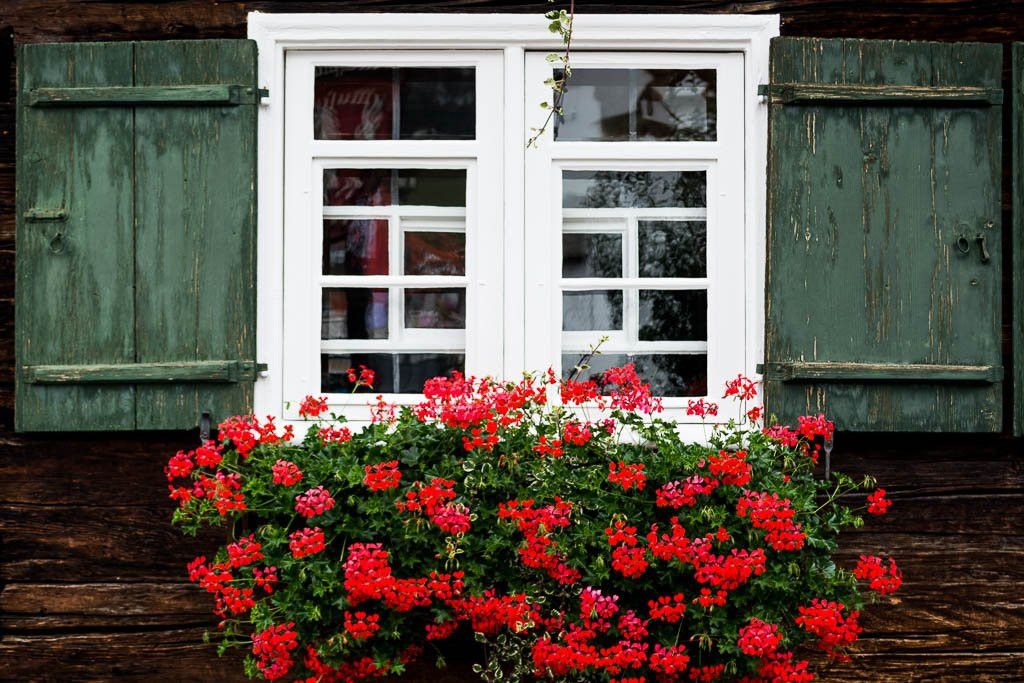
<point x="633" y="189"/>
<point x="354" y="313"/>
<point x="355" y="247"/>
<point x="591" y="255"/>
<point x="638" y="104"/>
<point x="436" y="308"/>
<point x="597" y="311"/>
<point x="358" y="103"/>
<point x="393" y="373"/>
<point x="668" y="374"/>
<point x="673" y="248"/>
<point x="334" y="369"/>
<point x="435" y="253"/>
<point x="388" y="187"/>
<point x="416" y="368"/>
<point x="673" y="315"/>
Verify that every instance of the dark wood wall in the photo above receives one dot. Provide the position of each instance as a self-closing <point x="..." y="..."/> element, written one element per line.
<point x="92" y="579"/>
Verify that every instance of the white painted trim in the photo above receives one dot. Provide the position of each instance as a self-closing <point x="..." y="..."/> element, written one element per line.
<point x="513" y="33"/>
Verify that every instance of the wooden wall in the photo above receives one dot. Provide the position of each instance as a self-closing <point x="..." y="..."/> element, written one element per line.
<point x="92" y="578"/>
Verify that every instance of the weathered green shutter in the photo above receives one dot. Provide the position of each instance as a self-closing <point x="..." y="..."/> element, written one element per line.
<point x="884" y="224"/>
<point x="135" y="299"/>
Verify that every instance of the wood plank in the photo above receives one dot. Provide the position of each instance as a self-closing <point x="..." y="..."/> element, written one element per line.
<point x="49" y="607"/>
<point x="882" y="372"/>
<point x="195" y="229"/>
<point x="857" y="93"/>
<point x="1017" y="233"/>
<point x="144" y="373"/>
<point x="186" y="95"/>
<point x="45" y="543"/>
<point x="144" y="656"/>
<point x="74" y="278"/>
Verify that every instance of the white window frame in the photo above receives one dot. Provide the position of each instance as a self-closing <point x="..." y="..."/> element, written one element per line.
<point x="513" y="35"/>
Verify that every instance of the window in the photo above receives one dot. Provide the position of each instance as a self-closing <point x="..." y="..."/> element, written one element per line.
<point x="415" y="233"/>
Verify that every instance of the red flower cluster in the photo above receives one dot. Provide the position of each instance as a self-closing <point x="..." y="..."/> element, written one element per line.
<point x="265" y="578"/>
<point x="767" y="511"/>
<point x="631" y="393"/>
<point x="364" y="377"/>
<point x="361" y="625"/>
<point x="730" y="467"/>
<point x="576" y="433"/>
<point x="677" y="494"/>
<point x="782" y="669"/>
<point x="669" y="660"/>
<point x="701" y="408"/>
<point x="759" y="639"/>
<point x="427" y="498"/>
<point x="382" y="476"/>
<point x="668" y="608"/>
<point x="315" y="501"/>
<point x="452" y="518"/>
<point x="334" y="434"/>
<point x="306" y="542"/>
<point x="273" y="649"/>
<point x="743" y="388"/>
<point x="244" y="551"/>
<point x="878" y="504"/>
<point x="246" y="432"/>
<point x="627" y="476"/>
<point x="218" y="580"/>
<point x="312" y="406"/>
<point x="286" y="473"/>
<point x="825" y="620"/>
<point x="881" y="579"/>
<point x="672" y="546"/>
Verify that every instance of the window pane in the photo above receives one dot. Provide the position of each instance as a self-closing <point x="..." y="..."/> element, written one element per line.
<point x="633" y="189"/>
<point x="638" y="104"/>
<point x="673" y="315"/>
<point x="355" y="247"/>
<point x="435" y="253"/>
<point x="591" y="255"/>
<point x="668" y="374"/>
<point x="358" y="103"/>
<point x="673" y="248"/>
<point x="354" y="313"/>
<point x="389" y="187"/>
<point x="393" y="372"/>
<point x="592" y="311"/>
<point x="436" y="308"/>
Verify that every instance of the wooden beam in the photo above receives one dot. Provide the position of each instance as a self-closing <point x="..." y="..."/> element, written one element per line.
<point x="145" y="373"/>
<point x="848" y="93"/>
<point x="135" y="96"/>
<point x="881" y="372"/>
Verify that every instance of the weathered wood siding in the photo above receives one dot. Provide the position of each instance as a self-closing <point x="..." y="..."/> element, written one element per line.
<point x="92" y="576"/>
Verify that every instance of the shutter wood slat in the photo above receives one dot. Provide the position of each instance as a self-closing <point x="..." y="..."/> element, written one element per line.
<point x="865" y="207"/>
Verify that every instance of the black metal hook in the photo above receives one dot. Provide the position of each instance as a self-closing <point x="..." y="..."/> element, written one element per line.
<point x="205" y="427"/>
<point x="962" y="244"/>
<point x="980" y="239"/>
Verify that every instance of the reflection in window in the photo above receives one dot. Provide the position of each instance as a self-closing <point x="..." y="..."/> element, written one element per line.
<point x="638" y="104"/>
<point x="668" y="374"/>
<point x="389" y="187"/>
<point x="591" y="255"/>
<point x="403" y="103"/>
<point x="402" y="373"/>
<point x="633" y="189"/>
<point x="673" y="248"/>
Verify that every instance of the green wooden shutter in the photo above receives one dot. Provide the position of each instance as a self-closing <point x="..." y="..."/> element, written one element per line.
<point x="135" y="299"/>
<point x="882" y="156"/>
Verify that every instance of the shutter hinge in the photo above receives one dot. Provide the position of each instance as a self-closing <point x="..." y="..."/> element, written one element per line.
<point x="205" y="427"/>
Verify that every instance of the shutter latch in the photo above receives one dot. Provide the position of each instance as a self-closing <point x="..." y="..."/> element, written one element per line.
<point x="205" y="427"/>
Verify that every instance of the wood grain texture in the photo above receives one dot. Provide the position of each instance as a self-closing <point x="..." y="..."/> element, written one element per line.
<point x="79" y="162"/>
<point x="960" y="615"/>
<point x="866" y="204"/>
<point x="195" y="256"/>
<point x="1017" y="232"/>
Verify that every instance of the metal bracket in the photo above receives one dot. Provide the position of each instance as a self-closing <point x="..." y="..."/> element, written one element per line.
<point x="205" y="427"/>
<point x="828" y="456"/>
